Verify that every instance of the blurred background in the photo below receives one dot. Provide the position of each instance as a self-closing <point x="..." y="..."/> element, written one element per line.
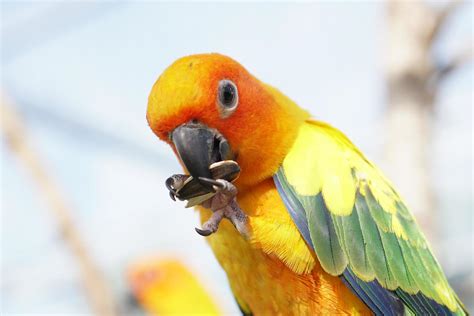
<point x="82" y="176"/>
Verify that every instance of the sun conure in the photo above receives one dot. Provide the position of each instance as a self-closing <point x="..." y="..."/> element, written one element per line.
<point x="327" y="232"/>
<point x="168" y="287"/>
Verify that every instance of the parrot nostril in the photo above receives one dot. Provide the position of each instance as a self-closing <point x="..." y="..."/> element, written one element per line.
<point x="194" y="121"/>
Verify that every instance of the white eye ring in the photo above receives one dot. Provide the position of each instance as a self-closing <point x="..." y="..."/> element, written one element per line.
<point x="227" y="97"/>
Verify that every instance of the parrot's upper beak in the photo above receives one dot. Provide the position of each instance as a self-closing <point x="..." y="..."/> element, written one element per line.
<point x="198" y="147"/>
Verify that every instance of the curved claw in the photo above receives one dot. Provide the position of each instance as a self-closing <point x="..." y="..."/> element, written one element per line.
<point x="212" y="182"/>
<point x="203" y="232"/>
<point x="176" y="182"/>
<point x="172" y="196"/>
<point x="169" y="183"/>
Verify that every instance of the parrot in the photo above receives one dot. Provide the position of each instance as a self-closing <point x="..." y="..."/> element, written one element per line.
<point x="310" y="226"/>
<point x="168" y="287"/>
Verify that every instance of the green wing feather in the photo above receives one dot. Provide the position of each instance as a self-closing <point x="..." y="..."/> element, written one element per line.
<point x="355" y="221"/>
<point x="320" y="229"/>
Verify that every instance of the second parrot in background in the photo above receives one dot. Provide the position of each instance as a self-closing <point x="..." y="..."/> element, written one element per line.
<point x="168" y="287"/>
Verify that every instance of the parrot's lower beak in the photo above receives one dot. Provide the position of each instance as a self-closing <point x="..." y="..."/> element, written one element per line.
<point x="198" y="147"/>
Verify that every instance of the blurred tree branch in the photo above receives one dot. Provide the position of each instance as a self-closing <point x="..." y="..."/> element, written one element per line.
<point x="440" y="16"/>
<point x="16" y="139"/>
<point x="413" y="78"/>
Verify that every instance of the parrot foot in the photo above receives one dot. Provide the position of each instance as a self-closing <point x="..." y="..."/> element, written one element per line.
<point x="212" y="224"/>
<point x="223" y="204"/>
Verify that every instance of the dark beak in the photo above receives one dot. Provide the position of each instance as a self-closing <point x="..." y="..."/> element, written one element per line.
<point x="198" y="147"/>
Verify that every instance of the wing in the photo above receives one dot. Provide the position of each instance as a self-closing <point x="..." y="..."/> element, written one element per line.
<point x="359" y="227"/>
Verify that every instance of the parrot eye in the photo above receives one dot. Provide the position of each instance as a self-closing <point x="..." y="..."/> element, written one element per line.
<point x="227" y="97"/>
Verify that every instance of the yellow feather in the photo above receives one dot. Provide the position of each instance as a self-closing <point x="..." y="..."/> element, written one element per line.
<point x="315" y="152"/>
<point x="339" y="188"/>
<point x="446" y="295"/>
<point x="398" y="229"/>
<point x="297" y="169"/>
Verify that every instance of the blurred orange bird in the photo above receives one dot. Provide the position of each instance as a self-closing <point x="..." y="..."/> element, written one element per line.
<point x="168" y="287"/>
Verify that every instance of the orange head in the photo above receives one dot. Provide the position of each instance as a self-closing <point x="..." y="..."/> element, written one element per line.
<point x="209" y="108"/>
